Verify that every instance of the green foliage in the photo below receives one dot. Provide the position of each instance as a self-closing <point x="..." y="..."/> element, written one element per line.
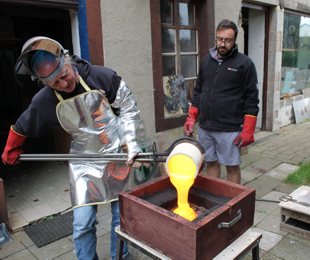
<point x="46" y="218"/>
<point x="301" y="176"/>
<point x="289" y="58"/>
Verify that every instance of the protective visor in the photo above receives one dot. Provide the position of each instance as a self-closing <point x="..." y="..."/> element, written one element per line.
<point x="23" y="70"/>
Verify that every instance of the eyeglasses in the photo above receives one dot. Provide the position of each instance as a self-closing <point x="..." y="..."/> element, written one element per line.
<point x="227" y="41"/>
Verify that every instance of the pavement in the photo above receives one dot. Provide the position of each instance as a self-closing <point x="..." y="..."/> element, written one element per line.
<point x="37" y="190"/>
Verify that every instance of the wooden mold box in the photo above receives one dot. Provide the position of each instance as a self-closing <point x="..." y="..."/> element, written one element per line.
<point x="177" y="237"/>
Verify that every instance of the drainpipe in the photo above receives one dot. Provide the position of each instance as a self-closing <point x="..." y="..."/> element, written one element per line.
<point x="83" y="32"/>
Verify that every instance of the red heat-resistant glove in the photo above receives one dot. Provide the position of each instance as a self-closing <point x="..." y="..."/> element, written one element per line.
<point x="246" y="137"/>
<point x="13" y="148"/>
<point x="191" y="119"/>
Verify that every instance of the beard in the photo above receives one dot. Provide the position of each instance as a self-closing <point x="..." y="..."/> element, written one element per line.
<point x="223" y="51"/>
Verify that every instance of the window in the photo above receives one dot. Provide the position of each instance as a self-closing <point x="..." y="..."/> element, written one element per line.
<point x="179" y="39"/>
<point x="178" y="28"/>
<point x="295" y="71"/>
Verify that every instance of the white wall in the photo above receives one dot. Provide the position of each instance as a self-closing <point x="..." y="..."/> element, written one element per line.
<point x="126" y="30"/>
<point x="231" y="10"/>
<point x="75" y="33"/>
<point x="256" y="51"/>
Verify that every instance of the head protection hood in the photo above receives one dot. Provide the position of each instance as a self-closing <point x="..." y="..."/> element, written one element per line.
<point x="23" y="69"/>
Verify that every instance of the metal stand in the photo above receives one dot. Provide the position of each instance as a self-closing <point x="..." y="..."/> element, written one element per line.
<point x="249" y="241"/>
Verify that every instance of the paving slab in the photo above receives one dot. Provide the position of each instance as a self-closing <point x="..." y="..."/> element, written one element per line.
<point x="52" y="250"/>
<point x="17" y="222"/>
<point x="103" y="247"/>
<point x="12" y="247"/>
<point x="288" y="152"/>
<point x="67" y="256"/>
<point x="258" y="217"/>
<point x="67" y="198"/>
<point x="102" y="228"/>
<point x="23" y="238"/>
<point x="31" y="215"/>
<point x="269" y="162"/>
<point x="277" y="174"/>
<point x="272" y="223"/>
<point x="250" y="157"/>
<point x="286" y="188"/>
<point x="104" y="208"/>
<point x="263" y="185"/>
<point x="277" y="212"/>
<point x="223" y="172"/>
<point x="286" y="167"/>
<point x="266" y="204"/>
<point x="46" y="209"/>
<point x="257" y="168"/>
<point x="60" y="204"/>
<point x="307" y="241"/>
<point x="273" y="195"/>
<point x="291" y="249"/>
<point x="261" y="135"/>
<point x="272" y="153"/>
<point x="22" y="255"/>
<point x="104" y="222"/>
<point x="242" y="181"/>
<point x="269" y="239"/>
<point x="248" y="175"/>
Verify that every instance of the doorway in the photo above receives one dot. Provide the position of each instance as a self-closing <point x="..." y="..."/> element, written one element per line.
<point x="18" y="23"/>
<point x="254" y="21"/>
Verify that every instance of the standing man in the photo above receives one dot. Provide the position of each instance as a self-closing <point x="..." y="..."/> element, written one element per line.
<point x="226" y="100"/>
<point x="99" y="111"/>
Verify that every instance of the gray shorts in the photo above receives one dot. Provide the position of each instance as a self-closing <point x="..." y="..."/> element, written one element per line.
<point x="219" y="146"/>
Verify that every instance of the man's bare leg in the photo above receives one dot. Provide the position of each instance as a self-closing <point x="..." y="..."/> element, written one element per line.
<point x="214" y="169"/>
<point x="233" y="173"/>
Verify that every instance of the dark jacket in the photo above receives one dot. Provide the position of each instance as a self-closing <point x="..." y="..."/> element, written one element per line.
<point x="41" y="113"/>
<point x="224" y="93"/>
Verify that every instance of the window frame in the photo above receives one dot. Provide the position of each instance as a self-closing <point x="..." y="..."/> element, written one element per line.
<point x="204" y="19"/>
<point x="284" y="95"/>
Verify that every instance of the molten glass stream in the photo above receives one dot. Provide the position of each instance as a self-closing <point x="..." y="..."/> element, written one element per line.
<point x="182" y="175"/>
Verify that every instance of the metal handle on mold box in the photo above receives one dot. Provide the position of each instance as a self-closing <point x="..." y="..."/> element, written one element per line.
<point x="229" y="224"/>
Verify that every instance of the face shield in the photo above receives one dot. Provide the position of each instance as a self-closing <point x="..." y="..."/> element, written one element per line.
<point x="24" y="72"/>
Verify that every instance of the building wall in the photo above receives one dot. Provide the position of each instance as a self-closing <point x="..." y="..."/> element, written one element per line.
<point x="128" y="50"/>
<point x="280" y="112"/>
<point x="275" y="118"/>
<point x="126" y="30"/>
<point x="232" y="13"/>
<point x="127" y="43"/>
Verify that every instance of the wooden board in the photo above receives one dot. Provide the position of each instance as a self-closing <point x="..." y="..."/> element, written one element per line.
<point x="296" y="227"/>
<point x="301" y="194"/>
<point x="178" y="238"/>
<point x="296" y="215"/>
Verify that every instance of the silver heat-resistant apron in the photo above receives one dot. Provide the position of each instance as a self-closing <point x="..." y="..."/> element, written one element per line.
<point x="93" y="127"/>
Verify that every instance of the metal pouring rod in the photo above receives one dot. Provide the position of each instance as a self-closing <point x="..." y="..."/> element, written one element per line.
<point x="65" y="157"/>
<point x="86" y="155"/>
